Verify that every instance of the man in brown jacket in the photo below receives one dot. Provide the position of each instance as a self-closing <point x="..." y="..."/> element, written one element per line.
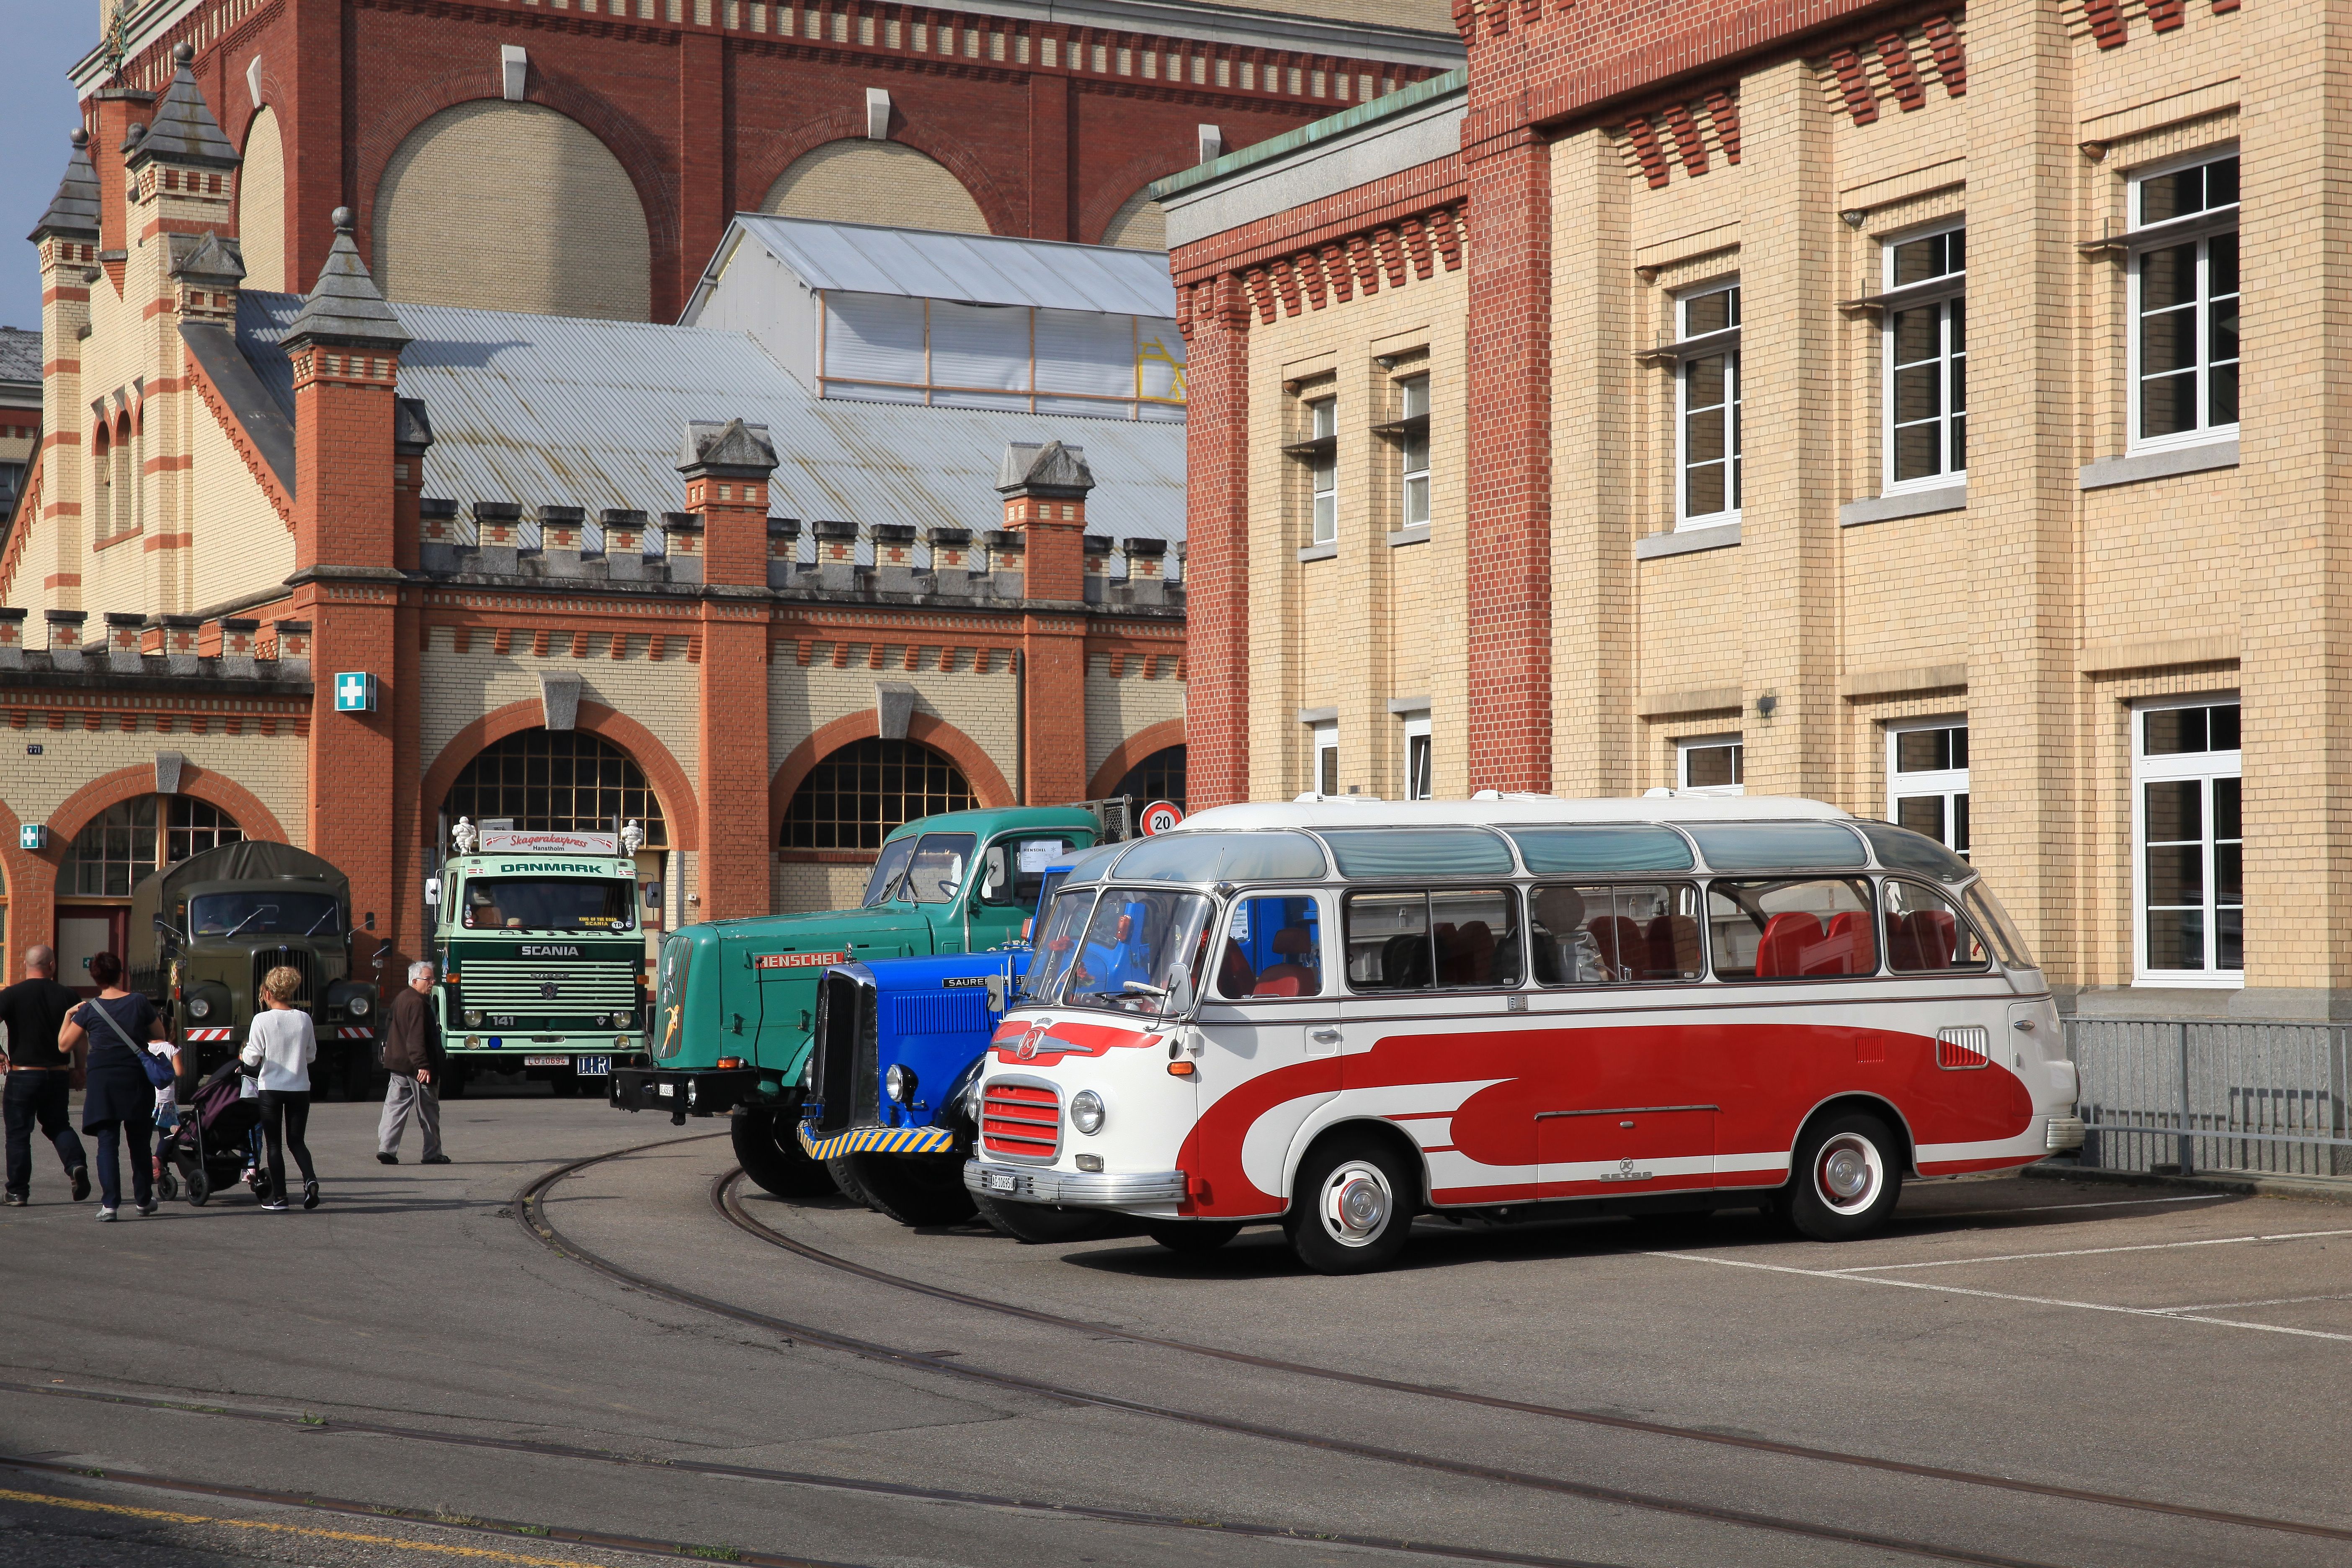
<point x="412" y="1051"/>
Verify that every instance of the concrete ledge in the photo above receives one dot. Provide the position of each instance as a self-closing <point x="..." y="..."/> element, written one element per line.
<point x="1909" y="503"/>
<point x="1318" y="715"/>
<point x="1686" y="541"/>
<point x="1319" y="553"/>
<point x="2108" y="654"/>
<point x="2236" y="1183"/>
<point x="2159" y="465"/>
<point x="1903" y="682"/>
<point x="1408" y="704"/>
<point x="1700" y="699"/>
<point x="1417" y="534"/>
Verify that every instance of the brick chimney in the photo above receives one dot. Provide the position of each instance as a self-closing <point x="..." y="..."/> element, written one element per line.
<point x="345" y="348"/>
<point x="726" y="469"/>
<point x="1044" y="489"/>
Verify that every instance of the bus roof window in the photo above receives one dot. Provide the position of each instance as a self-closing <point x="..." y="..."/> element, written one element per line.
<point x="1776" y="846"/>
<point x="1644" y="847"/>
<point x="1091" y="865"/>
<point x="1419" y="852"/>
<point x="1900" y="849"/>
<point x="1223" y="856"/>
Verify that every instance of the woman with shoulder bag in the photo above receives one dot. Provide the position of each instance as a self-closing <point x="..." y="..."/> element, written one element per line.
<point x="282" y="1044"/>
<point x="120" y="1089"/>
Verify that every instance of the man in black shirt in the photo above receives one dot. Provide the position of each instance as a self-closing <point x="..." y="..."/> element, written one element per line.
<point x="40" y="1077"/>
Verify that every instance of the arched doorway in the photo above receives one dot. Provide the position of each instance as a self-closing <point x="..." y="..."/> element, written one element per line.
<point x="563" y="781"/>
<point x="1159" y="776"/>
<point x="118" y="849"/>
<point x="875" y="182"/>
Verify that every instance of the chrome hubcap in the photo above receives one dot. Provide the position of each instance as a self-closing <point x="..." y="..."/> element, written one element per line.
<point x="1356" y="1204"/>
<point x="1847" y="1172"/>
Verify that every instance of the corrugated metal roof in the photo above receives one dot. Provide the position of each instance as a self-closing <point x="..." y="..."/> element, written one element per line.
<point x="971" y="269"/>
<point x="562" y="411"/>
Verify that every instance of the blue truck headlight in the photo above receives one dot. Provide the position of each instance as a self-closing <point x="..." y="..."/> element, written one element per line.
<point x="1086" y="1111"/>
<point x="900" y="1082"/>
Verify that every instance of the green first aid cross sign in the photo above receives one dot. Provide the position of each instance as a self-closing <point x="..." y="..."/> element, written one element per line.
<point x="355" y="693"/>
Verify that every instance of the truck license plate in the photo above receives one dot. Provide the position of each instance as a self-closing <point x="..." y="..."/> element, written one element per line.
<point x="592" y="1067"/>
<point x="546" y="1061"/>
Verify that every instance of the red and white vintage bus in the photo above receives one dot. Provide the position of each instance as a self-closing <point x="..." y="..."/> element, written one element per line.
<point x="1342" y="1014"/>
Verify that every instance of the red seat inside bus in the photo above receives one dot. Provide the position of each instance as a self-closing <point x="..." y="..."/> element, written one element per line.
<point x="1795" y="943"/>
<point x="1290" y="977"/>
<point x="1921" y="940"/>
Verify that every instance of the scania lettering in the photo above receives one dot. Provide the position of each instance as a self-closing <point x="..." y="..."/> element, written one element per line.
<point x="542" y="960"/>
<point x="1336" y="1015"/>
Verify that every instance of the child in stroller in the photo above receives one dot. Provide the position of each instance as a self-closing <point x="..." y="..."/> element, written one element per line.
<point x="218" y="1138"/>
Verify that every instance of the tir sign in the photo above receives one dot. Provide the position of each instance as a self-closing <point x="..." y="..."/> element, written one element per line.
<point x="355" y="693"/>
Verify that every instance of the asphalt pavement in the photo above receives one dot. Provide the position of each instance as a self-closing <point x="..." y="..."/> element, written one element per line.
<point x="2019" y="1371"/>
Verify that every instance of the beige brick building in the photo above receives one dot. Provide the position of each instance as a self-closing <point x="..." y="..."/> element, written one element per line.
<point x="1854" y="413"/>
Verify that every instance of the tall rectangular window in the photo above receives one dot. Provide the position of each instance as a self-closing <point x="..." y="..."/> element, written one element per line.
<point x="1326" y="758"/>
<point x="1416" y="757"/>
<point x="2184" y="303"/>
<point x="1927" y="392"/>
<point x="1323" y="464"/>
<point x="1708" y="395"/>
<point x="2189" y="842"/>
<point x="1412" y="441"/>
<point x="1712" y="764"/>
<point x="1927" y="781"/>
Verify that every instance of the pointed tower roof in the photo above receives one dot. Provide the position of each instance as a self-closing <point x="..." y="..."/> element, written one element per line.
<point x="734" y="446"/>
<point x="183" y="129"/>
<point x="73" y="209"/>
<point x="345" y="306"/>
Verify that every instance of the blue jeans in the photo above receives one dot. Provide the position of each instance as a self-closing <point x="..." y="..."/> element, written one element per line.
<point x="38" y="1097"/>
<point x="137" y="1131"/>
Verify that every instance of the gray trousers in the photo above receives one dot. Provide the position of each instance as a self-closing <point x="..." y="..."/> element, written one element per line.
<point x="401" y="1097"/>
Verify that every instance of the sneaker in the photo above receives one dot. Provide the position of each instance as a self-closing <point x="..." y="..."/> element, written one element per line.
<point x="81" y="1183"/>
<point x="150" y="1208"/>
<point x="310" y="1195"/>
<point x="434" y="1160"/>
<point x="383" y="1158"/>
<point x="15" y="1200"/>
<point x="106" y="1214"/>
<point x="268" y="1205"/>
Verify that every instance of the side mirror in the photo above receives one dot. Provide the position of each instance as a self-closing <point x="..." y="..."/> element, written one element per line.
<point x="432" y="892"/>
<point x="383" y="951"/>
<point x="1179" y="1000"/>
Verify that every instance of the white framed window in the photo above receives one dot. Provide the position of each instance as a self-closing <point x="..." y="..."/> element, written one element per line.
<point x="1416" y="757"/>
<point x="1711" y="765"/>
<point x="2184" y="303"/>
<point x="1927" y="780"/>
<point x="1412" y="443"/>
<point x="1707" y="396"/>
<point x="1323" y="465"/>
<point x="1326" y="758"/>
<point x="1926" y="395"/>
<point x="2187" y="842"/>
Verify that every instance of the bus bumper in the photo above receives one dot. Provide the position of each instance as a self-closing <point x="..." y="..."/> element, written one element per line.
<point x="1074" y="1189"/>
<point x="711" y="1092"/>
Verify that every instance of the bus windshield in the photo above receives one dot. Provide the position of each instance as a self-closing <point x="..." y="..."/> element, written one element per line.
<point x="284" y="914"/>
<point x="1141" y="950"/>
<point x="1057" y="943"/>
<point x="549" y="903"/>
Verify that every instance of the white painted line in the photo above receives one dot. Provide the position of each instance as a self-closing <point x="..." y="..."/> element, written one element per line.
<point x="2173" y="1315"/>
<point x="2270" y="1301"/>
<point x="2051" y="1209"/>
<point x="2088" y="1251"/>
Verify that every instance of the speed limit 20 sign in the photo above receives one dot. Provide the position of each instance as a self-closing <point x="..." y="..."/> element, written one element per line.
<point x="1159" y="817"/>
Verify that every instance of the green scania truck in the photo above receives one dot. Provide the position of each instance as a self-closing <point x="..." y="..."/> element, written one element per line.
<point x="737" y="999"/>
<point x="542" y="959"/>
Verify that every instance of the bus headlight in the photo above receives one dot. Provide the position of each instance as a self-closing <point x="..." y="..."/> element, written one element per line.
<point x="900" y="1083"/>
<point x="1086" y="1111"/>
<point x="199" y="1008"/>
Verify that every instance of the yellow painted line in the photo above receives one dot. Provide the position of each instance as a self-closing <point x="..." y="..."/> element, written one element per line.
<point x="166" y="1516"/>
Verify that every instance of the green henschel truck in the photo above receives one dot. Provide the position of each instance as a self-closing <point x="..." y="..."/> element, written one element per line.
<point x="737" y="999"/>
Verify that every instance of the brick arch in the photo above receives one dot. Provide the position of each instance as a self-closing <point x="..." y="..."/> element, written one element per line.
<point x="82" y="807"/>
<point x="667" y="780"/>
<point x="762" y="160"/>
<point x="988" y="786"/>
<point x="1134" y="749"/>
<point x="1115" y="190"/>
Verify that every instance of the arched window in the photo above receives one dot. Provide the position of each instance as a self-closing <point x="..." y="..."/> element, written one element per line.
<point x="127" y="841"/>
<point x="101" y="486"/>
<point x="859" y="794"/>
<point x="557" y="781"/>
<point x="1159" y="776"/>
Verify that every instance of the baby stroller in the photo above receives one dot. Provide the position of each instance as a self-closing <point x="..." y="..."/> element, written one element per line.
<point x="215" y="1142"/>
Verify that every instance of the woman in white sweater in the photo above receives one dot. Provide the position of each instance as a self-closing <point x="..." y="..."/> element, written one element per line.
<point x="282" y="1044"/>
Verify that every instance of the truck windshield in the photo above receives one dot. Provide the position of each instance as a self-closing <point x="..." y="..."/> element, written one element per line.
<point x="1137" y="946"/>
<point x="549" y="903"/>
<point x="884" y="883"/>
<point x="282" y="914"/>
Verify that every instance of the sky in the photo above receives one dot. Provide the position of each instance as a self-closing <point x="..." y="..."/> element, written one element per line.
<point x="36" y="112"/>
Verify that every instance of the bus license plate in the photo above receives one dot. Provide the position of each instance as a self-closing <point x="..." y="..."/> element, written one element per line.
<point x="546" y="1061"/>
<point x="592" y="1067"/>
<point x="1000" y="1181"/>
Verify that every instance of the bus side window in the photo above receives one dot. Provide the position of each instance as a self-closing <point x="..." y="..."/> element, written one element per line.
<point x="1791" y="928"/>
<point x="1925" y="935"/>
<point x="1614" y="935"/>
<point x="1388" y="942"/>
<point x="1476" y="935"/>
<point x="1273" y="948"/>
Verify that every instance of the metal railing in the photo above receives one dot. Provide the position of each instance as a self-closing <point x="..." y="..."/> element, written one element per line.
<point x="2185" y="1096"/>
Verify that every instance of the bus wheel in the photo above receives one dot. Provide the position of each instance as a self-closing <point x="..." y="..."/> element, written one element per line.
<point x="1043" y="1225"/>
<point x="1192" y="1237"/>
<point x="1845" y="1178"/>
<point x="771" y="1154"/>
<point x="1351" y="1208"/>
<point x="913" y="1189"/>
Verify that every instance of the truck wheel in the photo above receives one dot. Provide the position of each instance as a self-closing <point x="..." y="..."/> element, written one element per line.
<point x="771" y="1154"/>
<point x="453" y="1080"/>
<point x="1043" y="1225"/>
<point x="845" y="1178"/>
<point x="919" y="1189"/>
